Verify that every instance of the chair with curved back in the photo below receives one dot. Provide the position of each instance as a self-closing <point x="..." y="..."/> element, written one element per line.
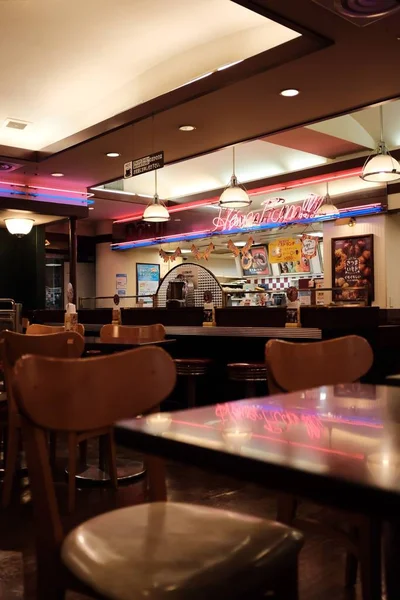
<point x="151" y="550"/>
<point x="57" y="345"/>
<point x="132" y="333"/>
<point x="294" y="367"/>
<point x="39" y="329"/>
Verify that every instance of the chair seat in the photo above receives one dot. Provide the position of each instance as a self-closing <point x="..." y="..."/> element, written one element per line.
<point x="172" y="550"/>
<point x="247" y="371"/>
<point x="192" y="366"/>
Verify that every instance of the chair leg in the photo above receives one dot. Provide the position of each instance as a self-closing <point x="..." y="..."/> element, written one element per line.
<point x="287" y="587"/>
<point x="111" y="459"/>
<point x="286" y="508"/>
<point x="72" y="458"/>
<point x="351" y="561"/>
<point x="370" y="559"/>
<point x="53" y="448"/>
<point x="11" y="463"/>
<point x="83" y="449"/>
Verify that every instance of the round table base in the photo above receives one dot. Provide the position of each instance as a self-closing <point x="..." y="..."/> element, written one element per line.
<point x="127" y="470"/>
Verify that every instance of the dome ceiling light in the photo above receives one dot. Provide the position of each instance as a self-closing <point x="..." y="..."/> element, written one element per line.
<point x="328" y="209"/>
<point x="235" y="195"/>
<point x="156" y="212"/>
<point x="381" y="167"/>
<point x="19" y="227"/>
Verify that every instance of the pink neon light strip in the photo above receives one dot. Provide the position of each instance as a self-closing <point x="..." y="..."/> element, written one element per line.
<point x="256" y="192"/>
<point x="49" y="189"/>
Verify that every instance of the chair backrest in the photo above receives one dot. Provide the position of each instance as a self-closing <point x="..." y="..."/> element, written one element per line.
<point x="38" y="329"/>
<point x="297" y="366"/>
<point x="134" y="334"/>
<point x="96" y="393"/>
<point x="14" y="345"/>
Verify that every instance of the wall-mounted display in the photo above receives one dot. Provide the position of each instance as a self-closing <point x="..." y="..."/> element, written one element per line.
<point x="147" y="280"/>
<point x="353" y="266"/>
<point x="255" y="261"/>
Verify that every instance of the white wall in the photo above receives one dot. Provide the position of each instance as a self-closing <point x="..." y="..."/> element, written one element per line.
<point x="109" y="263"/>
<point x="375" y="225"/>
<point x="85" y="280"/>
<point x="219" y="266"/>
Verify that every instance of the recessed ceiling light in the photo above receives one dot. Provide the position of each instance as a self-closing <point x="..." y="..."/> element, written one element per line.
<point x="113" y="154"/>
<point x="290" y="92"/>
<point x="91" y="207"/>
<point x="187" y="128"/>
<point x="57" y="174"/>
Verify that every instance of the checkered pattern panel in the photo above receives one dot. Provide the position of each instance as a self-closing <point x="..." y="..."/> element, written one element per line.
<point x="205" y="282"/>
<point x="275" y="283"/>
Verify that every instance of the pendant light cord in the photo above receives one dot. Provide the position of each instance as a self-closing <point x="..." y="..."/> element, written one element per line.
<point x="155" y="182"/>
<point x="233" y="160"/>
<point x="381" y="121"/>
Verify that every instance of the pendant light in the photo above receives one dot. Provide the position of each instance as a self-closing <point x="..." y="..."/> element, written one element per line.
<point x="19" y="227"/>
<point x="234" y="196"/>
<point x="381" y="167"/>
<point x="328" y="209"/>
<point x="156" y="212"/>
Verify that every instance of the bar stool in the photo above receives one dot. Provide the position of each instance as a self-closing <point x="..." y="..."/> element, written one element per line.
<point x="192" y="368"/>
<point x="249" y="374"/>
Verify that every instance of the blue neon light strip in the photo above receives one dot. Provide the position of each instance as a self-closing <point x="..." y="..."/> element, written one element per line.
<point x="357" y="212"/>
<point x="38" y="196"/>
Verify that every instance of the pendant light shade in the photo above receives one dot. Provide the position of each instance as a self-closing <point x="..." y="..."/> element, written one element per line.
<point x="328" y="209"/>
<point x="156" y="212"/>
<point x="234" y="196"/>
<point x="381" y="167"/>
<point x="19" y="227"/>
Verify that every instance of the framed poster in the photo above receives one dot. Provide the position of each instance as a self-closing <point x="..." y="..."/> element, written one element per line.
<point x="255" y="261"/>
<point x="353" y="266"/>
<point x="121" y="283"/>
<point x="147" y="280"/>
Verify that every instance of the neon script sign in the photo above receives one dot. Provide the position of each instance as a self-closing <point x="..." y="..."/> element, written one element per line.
<point x="230" y="218"/>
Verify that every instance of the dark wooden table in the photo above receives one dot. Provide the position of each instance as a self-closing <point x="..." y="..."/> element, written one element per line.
<point x="338" y="446"/>
<point x="95" y="343"/>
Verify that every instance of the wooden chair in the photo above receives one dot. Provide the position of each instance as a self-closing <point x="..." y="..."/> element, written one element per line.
<point x="132" y="333"/>
<point x="38" y="329"/>
<point x="293" y="367"/>
<point x="58" y="345"/>
<point x="150" y="549"/>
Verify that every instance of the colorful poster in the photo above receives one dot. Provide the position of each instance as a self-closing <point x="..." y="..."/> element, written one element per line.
<point x="309" y="246"/>
<point x="147" y="281"/>
<point x="121" y="283"/>
<point x="353" y="266"/>
<point x="255" y="261"/>
<point x="285" y="250"/>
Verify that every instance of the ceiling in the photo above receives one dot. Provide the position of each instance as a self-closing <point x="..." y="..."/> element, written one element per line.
<point x="90" y="60"/>
<point x="75" y="69"/>
<point x="342" y="137"/>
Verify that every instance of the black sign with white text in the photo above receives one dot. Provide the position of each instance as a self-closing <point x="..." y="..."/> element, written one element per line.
<point x="151" y="162"/>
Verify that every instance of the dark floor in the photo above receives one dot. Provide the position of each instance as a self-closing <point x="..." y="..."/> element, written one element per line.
<point x="321" y="562"/>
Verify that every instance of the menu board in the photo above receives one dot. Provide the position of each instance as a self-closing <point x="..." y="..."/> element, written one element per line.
<point x="353" y="266"/>
<point x="285" y="250"/>
<point x="255" y="261"/>
<point x="147" y="280"/>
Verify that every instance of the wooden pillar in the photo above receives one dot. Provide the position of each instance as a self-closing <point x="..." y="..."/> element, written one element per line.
<point x="73" y="255"/>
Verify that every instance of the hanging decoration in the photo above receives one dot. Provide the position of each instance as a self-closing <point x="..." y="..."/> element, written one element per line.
<point x="309" y="246"/>
<point x="172" y="256"/>
<point x="199" y="255"/>
<point x="236" y="251"/>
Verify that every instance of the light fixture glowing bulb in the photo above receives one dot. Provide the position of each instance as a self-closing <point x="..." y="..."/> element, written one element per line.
<point x="290" y="93"/>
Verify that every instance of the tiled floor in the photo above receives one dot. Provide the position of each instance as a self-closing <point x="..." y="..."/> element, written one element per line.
<point x="321" y="563"/>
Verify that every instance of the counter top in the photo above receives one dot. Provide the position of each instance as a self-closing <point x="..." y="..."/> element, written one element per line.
<point x="263" y="332"/>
